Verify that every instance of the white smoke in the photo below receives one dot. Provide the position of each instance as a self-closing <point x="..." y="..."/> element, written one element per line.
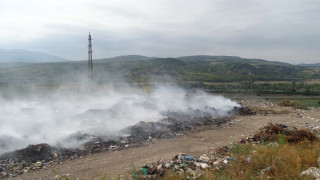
<point x="52" y="118"/>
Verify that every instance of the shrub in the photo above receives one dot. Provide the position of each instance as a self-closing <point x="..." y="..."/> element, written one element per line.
<point x="294" y="104"/>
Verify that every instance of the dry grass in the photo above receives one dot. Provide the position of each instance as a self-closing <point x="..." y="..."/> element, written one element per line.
<point x="284" y="161"/>
<point x="266" y="162"/>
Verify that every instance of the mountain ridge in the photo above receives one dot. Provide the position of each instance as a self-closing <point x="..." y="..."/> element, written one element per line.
<point x="125" y="58"/>
<point x="193" y="58"/>
<point x="231" y="59"/>
<point x="26" y="56"/>
<point x="310" y="65"/>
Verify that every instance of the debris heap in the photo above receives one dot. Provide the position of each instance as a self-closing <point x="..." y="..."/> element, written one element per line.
<point x="272" y="132"/>
<point x="191" y="167"/>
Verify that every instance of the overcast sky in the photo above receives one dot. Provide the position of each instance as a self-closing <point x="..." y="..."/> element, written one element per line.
<point x="283" y="30"/>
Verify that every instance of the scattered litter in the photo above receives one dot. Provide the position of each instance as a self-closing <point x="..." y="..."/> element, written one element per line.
<point x="227" y="159"/>
<point x="188" y="158"/>
<point x="241" y="141"/>
<point x="282" y="126"/>
<point x="204" y="158"/>
<point x="167" y="165"/>
<point x="312" y="171"/>
<point x="248" y="159"/>
<point x="183" y="163"/>
<point x="267" y="169"/>
<point x="144" y="171"/>
<point x="204" y="166"/>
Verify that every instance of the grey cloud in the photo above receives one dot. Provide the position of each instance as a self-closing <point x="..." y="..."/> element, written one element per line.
<point x="277" y="30"/>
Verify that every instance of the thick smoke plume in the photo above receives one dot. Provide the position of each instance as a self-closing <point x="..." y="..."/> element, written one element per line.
<point x="53" y="118"/>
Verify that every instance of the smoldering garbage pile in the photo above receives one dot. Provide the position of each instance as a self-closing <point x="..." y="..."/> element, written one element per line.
<point x="40" y="156"/>
<point x="111" y="122"/>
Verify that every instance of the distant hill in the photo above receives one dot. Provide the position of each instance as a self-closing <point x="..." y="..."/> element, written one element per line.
<point x="125" y="58"/>
<point x="227" y="74"/>
<point x="149" y="70"/>
<point x="194" y="58"/>
<point x="231" y="59"/>
<point x="12" y="64"/>
<point x="19" y="55"/>
<point x="310" y="65"/>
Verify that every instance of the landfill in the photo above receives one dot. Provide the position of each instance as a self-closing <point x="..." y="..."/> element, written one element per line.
<point x="42" y="156"/>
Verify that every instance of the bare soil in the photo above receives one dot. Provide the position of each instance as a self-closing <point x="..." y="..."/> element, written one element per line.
<point x="195" y="142"/>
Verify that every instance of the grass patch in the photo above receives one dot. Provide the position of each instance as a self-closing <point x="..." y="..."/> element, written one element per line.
<point x="282" y="139"/>
<point x="310" y="102"/>
<point x="241" y="150"/>
<point x="285" y="161"/>
<point x="280" y="162"/>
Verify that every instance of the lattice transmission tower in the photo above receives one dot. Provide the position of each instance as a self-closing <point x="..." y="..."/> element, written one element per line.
<point x="90" y="66"/>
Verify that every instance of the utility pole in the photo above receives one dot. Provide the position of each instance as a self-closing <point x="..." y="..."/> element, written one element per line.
<point x="90" y="58"/>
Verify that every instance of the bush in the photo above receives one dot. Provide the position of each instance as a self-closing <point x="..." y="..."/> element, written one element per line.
<point x="294" y="104"/>
<point x="273" y="132"/>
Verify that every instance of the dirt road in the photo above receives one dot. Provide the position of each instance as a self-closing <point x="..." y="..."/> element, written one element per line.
<point x="196" y="142"/>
